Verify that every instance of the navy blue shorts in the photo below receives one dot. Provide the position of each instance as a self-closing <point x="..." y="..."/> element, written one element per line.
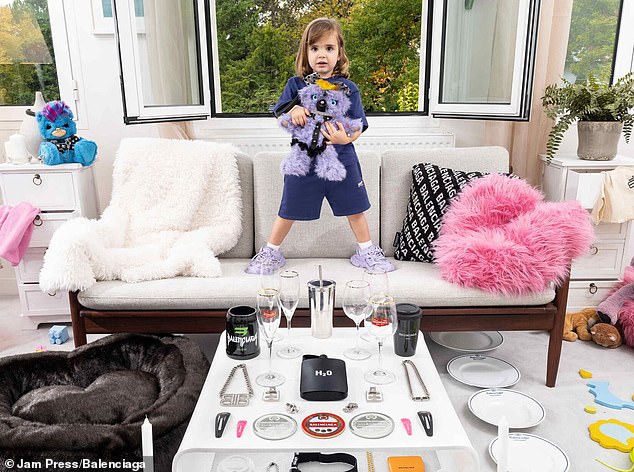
<point x="302" y="196"/>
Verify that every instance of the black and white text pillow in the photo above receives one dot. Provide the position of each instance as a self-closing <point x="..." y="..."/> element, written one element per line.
<point x="431" y="192"/>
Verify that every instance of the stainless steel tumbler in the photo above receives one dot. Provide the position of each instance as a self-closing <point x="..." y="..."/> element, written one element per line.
<point x="321" y="300"/>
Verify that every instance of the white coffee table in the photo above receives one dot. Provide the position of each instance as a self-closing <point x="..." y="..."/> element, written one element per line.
<point x="448" y="450"/>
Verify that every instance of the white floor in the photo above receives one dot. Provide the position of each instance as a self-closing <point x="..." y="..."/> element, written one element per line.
<point x="566" y="422"/>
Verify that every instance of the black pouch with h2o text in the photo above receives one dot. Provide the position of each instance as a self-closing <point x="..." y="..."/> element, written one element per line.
<point x="323" y="379"/>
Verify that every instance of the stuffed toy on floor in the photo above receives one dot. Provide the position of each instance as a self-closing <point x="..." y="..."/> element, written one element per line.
<point x="618" y="307"/>
<point x="61" y="145"/>
<point x="326" y="102"/>
<point x="586" y="325"/>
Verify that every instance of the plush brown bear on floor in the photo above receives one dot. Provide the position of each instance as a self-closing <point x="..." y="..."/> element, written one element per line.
<point x="585" y="325"/>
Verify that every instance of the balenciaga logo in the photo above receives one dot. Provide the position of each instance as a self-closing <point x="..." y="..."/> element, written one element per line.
<point x="242" y="340"/>
<point x="241" y="330"/>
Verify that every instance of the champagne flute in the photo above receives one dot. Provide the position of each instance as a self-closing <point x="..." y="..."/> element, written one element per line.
<point x="379" y="286"/>
<point x="269" y="280"/>
<point x="382" y="324"/>
<point x="269" y="320"/>
<point x="289" y="298"/>
<point x="357" y="306"/>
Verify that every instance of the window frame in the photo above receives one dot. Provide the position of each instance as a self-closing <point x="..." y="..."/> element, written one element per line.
<point x="68" y="77"/>
<point x="523" y="70"/>
<point x="135" y="111"/>
<point x="432" y="28"/>
<point x="624" y="42"/>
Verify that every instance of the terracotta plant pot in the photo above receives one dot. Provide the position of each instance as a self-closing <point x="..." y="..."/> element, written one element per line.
<point x="598" y="140"/>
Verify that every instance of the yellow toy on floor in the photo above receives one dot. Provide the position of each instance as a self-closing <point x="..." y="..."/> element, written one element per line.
<point x="576" y="325"/>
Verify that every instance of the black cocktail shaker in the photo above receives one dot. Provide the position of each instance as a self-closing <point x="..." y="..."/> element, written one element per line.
<point x="408" y="325"/>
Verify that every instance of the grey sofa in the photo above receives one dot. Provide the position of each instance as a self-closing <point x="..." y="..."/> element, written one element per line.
<point x="196" y="305"/>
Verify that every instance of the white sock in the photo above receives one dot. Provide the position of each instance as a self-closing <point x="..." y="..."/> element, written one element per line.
<point x="365" y="245"/>
<point x="273" y="246"/>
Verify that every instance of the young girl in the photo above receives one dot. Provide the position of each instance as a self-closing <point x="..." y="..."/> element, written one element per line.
<point x="322" y="52"/>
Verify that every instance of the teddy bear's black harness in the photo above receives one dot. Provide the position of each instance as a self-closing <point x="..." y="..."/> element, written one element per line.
<point x="314" y="149"/>
<point x="66" y="144"/>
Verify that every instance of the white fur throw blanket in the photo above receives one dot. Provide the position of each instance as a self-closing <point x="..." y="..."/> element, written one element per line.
<point x="175" y="205"/>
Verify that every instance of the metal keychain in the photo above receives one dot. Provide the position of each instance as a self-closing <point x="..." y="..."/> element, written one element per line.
<point x="425" y="395"/>
<point x="236" y="399"/>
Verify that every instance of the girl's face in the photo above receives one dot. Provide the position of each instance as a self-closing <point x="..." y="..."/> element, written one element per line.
<point x="324" y="54"/>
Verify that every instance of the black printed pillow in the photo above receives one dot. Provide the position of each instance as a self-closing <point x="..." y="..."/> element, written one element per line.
<point x="431" y="192"/>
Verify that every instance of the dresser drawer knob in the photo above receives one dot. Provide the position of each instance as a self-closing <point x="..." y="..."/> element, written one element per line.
<point x="592" y="288"/>
<point x="52" y="294"/>
<point x="594" y="250"/>
<point x="37" y="221"/>
<point x="37" y="179"/>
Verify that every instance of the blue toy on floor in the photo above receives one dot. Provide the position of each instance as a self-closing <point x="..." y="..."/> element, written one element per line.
<point x="58" y="334"/>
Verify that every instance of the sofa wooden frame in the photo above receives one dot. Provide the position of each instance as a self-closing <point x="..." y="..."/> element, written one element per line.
<point x="548" y="317"/>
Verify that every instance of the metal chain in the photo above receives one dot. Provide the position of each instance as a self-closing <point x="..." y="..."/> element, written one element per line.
<point x="230" y="378"/>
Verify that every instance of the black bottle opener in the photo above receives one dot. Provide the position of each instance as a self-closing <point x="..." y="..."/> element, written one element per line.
<point x="427" y="421"/>
<point x="222" y="419"/>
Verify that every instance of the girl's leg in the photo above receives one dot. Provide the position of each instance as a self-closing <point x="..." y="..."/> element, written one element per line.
<point x="280" y="229"/>
<point x="368" y="256"/>
<point x="359" y="226"/>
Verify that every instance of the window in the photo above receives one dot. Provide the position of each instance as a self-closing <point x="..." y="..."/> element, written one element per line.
<point x="389" y="43"/>
<point x="592" y="40"/>
<point x="27" y="61"/>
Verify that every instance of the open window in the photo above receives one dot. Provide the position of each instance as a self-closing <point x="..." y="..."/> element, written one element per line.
<point x="483" y="56"/>
<point x="163" y="59"/>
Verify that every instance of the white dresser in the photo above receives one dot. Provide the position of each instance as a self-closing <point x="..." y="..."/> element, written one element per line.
<point x="61" y="192"/>
<point x="569" y="178"/>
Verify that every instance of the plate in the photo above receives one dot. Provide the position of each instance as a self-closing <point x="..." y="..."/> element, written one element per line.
<point x="528" y="453"/>
<point x="521" y="410"/>
<point x="468" y="341"/>
<point x="274" y="426"/>
<point x="372" y="425"/>
<point x="483" y="371"/>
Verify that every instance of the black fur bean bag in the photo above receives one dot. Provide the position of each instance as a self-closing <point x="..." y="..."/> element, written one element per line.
<point x="88" y="404"/>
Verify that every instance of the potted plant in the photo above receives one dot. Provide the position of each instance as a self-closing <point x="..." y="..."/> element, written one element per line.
<point x="603" y="112"/>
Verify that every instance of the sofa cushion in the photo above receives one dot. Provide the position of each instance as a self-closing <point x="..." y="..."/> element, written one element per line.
<point x="396" y="178"/>
<point x="430" y="194"/>
<point x="244" y="247"/>
<point x="412" y="282"/>
<point x="327" y="237"/>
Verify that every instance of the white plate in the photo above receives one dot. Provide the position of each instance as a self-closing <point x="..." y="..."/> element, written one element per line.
<point x="468" y="341"/>
<point x="521" y="410"/>
<point x="529" y="453"/>
<point x="483" y="371"/>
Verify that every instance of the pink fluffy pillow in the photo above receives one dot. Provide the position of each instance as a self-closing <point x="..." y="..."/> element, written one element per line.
<point x="500" y="236"/>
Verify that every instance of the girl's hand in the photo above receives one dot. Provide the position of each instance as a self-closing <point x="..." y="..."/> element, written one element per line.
<point x="337" y="134"/>
<point x="298" y="115"/>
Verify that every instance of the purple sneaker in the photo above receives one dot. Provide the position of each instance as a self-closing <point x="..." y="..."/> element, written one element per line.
<point x="372" y="257"/>
<point x="265" y="262"/>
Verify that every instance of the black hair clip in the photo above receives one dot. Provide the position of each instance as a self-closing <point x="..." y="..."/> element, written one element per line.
<point x="343" y="87"/>
<point x="311" y="78"/>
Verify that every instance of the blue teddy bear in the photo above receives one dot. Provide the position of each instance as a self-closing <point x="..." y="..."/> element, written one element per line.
<point x="61" y="145"/>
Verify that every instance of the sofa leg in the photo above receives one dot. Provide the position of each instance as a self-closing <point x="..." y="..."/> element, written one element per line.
<point x="557" y="333"/>
<point x="79" y="328"/>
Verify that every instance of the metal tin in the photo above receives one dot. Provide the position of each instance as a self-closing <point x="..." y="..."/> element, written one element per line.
<point x="372" y="425"/>
<point x="323" y="425"/>
<point x="274" y="426"/>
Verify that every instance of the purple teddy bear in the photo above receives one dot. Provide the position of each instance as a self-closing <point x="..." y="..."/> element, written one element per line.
<point x="325" y="102"/>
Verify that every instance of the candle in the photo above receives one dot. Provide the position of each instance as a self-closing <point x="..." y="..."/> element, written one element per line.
<point x="16" y="150"/>
<point x="503" y="443"/>
<point x="147" y="445"/>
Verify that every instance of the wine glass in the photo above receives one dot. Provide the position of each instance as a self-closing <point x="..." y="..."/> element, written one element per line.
<point x="268" y="321"/>
<point x="357" y="306"/>
<point x="381" y="324"/>
<point x="289" y="298"/>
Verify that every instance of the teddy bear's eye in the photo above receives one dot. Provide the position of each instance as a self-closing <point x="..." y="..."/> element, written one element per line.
<point x="314" y="96"/>
<point x="48" y="126"/>
<point x="66" y="125"/>
<point x="333" y="102"/>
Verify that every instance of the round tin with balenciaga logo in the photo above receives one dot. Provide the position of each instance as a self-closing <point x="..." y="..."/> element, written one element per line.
<point x="323" y="425"/>
<point x="242" y="335"/>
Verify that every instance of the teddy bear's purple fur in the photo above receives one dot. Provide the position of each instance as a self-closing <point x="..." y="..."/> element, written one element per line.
<point x="324" y="105"/>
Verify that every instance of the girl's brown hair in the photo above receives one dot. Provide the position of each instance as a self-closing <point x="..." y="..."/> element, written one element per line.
<point x="313" y="32"/>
